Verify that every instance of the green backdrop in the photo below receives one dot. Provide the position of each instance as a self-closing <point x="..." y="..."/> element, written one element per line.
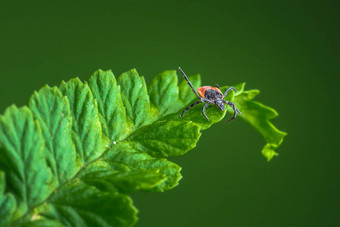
<point x="287" y="49"/>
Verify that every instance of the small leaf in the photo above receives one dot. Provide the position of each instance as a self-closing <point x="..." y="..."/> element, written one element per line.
<point x="164" y="93"/>
<point x="124" y="182"/>
<point x="80" y="204"/>
<point x="166" y="138"/>
<point x="22" y="157"/>
<point x="135" y="98"/>
<point x="107" y="93"/>
<point x="86" y="124"/>
<point x="259" y="116"/>
<point x="52" y="110"/>
<point x="125" y="154"/>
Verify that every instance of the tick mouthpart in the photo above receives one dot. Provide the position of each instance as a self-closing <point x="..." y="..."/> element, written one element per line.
<point x="220" y="105"/>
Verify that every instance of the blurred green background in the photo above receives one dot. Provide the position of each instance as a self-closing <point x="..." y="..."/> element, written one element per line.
<point x="287" y="49"/>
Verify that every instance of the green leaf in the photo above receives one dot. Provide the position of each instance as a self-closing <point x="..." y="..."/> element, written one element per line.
<point x="52" y="111"/>
<point x="22" y="158"/>
<point x="164" y="93"/>
<point x="112" y="112"/>
<point x="166" y="138"/>
<point x="259" y="116"/>
<point x="87" y="129"/>
<point x="75" y="155"/>
<point x="135" y="98"/>
<point x="124" y="182"/>
<point x="125" y="154"/>
<point x="7" y="202"/>
<point x="80" y="204"/>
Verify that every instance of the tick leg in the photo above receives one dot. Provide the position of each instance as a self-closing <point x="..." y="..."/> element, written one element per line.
<point x="226" y="92"/>
<point x="189" y="107"/>
<point x="232" y="105"/>
<point x="203" y="111"/>
<point x="188" y="81"/>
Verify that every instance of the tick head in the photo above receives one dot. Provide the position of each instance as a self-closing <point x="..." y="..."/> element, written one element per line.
<point x="220" y="104"/>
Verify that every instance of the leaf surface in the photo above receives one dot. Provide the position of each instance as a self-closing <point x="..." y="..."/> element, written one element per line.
<point x="186" y="94"/>
<point x="52" y="111"/>
<point x="22" y="158"/>
<point x="86" y="123"/>
<point x="80" y="204"/>
<point x="164" y="93"/>
<point x="259" y="116"/>
<point x="135" y="98"/>
<point x="7" y="202"/>
<point x="106" y="91"/>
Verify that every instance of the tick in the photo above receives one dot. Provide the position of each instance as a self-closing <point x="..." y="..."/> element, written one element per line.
<point x="210" y="95"/>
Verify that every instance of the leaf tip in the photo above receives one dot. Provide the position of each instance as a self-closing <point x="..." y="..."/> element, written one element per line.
<point x="133" y="70"/>
<point x="268" y="151"/>
<point x="239" y="88"/>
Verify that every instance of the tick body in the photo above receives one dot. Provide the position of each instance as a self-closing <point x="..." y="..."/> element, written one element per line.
<point x="210" y="95"/>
